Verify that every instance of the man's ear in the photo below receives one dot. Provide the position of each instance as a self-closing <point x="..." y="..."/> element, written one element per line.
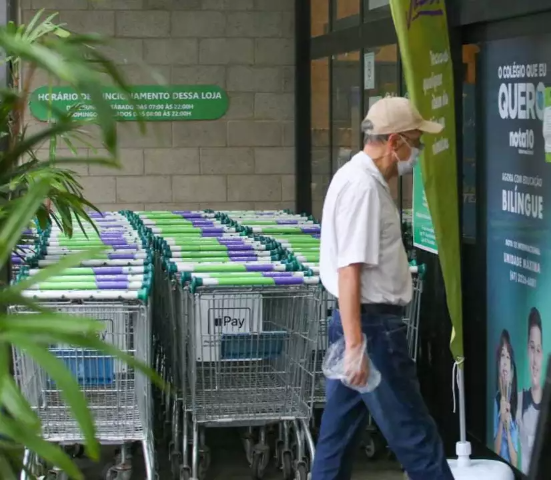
<point x="394" y="141"/>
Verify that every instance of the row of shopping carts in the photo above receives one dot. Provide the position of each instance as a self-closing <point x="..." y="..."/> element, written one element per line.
<point x="25" y="249"/>
<point x="115" y="290"/>
<point x="229" y="309"/>
<point x="236" y="321"/>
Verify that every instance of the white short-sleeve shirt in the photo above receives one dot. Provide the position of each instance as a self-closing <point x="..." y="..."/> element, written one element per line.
<point x="361" y="224"/>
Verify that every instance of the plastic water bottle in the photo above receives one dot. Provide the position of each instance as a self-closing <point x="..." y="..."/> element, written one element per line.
<point x="333" y="366"/>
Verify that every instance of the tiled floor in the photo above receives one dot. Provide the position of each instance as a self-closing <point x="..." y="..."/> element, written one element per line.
<point x="229" y="463"/>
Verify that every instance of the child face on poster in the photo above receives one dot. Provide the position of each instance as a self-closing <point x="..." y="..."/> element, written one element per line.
<point x="505" y="373"/>
<point x="535" y="356"/>
<point x="505" y="427"/>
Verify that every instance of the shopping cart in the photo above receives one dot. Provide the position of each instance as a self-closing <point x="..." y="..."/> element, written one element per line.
<point x="205" y="258"/>
<point x="117" y="395"/>
<point x="25" y="249"/>
<point x="249" y="342"/>
<point x="114" y="292"/>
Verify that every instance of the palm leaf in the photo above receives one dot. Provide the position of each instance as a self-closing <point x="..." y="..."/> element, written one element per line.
<point x="50" y="271"/>
<point x="93" y="343"/>
<point x="9" y="428"/>
<point x="20" y="218"/>
<point x="50" y="323"/>
<point x="11" y="397"/>
<point x="65" y="381"/>
<point x="77" y="61"/>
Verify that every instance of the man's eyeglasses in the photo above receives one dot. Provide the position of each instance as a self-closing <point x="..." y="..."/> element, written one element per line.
<point x="414" y="142"/>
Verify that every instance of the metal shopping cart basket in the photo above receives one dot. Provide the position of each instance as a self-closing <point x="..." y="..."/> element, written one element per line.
<point x="329" y="303"/>
<point x="118" y="396"/>
<point x="247" y="361"/>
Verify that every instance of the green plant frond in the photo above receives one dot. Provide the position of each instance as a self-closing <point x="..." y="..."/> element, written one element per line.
<point x="33" y="142"/>
<point x="13" y="401"/>
<point x="93" y="343"/>
<point x="11" y="398"/>
<point x="18" y="433"/>
<point x="98" y="161"/>
<point x="66" y="382"/>
<point x="19" y="218"/>
<point x="9" y="298"/>
<point x="8" y="467"/>
<point x="50" y="323"/>
<point x="26" y="181"/>
<point x="37" y="28"/>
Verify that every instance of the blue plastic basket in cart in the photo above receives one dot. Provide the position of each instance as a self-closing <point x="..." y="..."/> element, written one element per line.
<point x="90" y="367"/>
<point x="247" y="346"/>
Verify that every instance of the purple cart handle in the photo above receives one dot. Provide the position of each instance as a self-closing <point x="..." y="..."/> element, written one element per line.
<point x="112" y="285"/>
<point x="107" y="270"/>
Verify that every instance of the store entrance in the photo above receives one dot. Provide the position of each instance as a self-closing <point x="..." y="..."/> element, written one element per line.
<point x="345" y="82"/>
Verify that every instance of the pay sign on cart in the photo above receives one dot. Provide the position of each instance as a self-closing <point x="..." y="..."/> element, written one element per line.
<point x="218" y="318"/>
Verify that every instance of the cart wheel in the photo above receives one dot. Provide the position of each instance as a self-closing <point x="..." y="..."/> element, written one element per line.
<point x="37" y="468"/>
<point x="175" y="464"/>
<point x="372" y="446"/>
<point x="136" y="449"/>
<point x="258" y="466"/>
<point x="205" y="458"/>
<point x="287" y="465"/>
<point x="301" y="472"/>
<point x="51" y="475"/>
<point x="108" y="472"/>
<point x="111" y="472"/>
<point x="204" y="462"/>
<point x="278" y="456"/>
<point x="75" y="451"/>
<point x="185" y="474"/>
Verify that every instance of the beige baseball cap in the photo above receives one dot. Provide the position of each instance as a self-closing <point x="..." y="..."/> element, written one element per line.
<point x="397" y="115"/>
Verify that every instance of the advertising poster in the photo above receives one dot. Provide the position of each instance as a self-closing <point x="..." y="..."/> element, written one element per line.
<point x="422" y="30"/>
<point x="515" y="74"/>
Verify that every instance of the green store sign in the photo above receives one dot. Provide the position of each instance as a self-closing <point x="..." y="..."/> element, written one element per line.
<point x="154" y="103"/>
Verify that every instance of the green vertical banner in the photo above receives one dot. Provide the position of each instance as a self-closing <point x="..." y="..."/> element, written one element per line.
<point x="422" y="30"/>
<point x="422" y="227"/>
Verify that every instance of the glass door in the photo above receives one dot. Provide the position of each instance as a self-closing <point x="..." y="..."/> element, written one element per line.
<point x="346" y="107"/>
<point x="381" y="79"/>
<point x="344" y="83"/>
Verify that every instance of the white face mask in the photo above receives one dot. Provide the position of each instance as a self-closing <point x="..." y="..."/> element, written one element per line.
<point x="406" y="166"/>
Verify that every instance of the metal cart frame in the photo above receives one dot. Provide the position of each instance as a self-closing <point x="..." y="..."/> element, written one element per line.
<point x="119" y="397"/>
<point x="253" y="378"/>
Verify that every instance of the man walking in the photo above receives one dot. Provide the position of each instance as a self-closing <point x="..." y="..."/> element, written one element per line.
<point x="364" y="264"/>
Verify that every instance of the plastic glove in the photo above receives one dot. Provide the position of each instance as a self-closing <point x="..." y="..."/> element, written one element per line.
<point x="351" y="366"/>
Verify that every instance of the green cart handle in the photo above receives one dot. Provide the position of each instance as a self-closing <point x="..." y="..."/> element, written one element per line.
<point x="420" y="270"/>
<point x="237" y="282"/>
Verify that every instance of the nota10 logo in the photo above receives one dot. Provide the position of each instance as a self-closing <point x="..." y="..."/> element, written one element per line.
<point x="522" y="101"/>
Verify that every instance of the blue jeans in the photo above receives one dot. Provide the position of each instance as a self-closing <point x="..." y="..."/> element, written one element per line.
<point x="396" y="405"/>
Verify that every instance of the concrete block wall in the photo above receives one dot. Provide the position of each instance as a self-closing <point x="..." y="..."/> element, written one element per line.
<point x="246" y="159"/>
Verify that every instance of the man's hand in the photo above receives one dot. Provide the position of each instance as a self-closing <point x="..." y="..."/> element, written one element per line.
<point x="356" y="366"/>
